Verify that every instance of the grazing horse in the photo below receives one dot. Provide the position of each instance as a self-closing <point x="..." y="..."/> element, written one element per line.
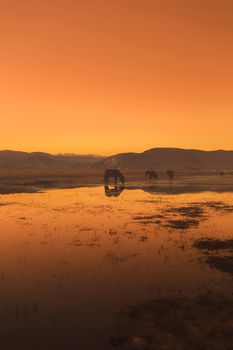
<point x="115" y="173"/>
<point x="170" y="174"/>
<point x="151" y="174"/>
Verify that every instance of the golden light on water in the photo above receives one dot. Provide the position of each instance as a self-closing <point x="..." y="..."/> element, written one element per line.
<point x="71" y="259"/>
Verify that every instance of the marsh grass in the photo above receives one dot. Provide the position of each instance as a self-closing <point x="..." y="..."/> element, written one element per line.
<point x="222" y="261"/>
<point x="182" y="224"/>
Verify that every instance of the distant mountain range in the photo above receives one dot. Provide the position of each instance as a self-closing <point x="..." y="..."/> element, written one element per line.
<point x="15" y="159"/>
<point x="156" y="158"/>
<point x="171" y="158"/>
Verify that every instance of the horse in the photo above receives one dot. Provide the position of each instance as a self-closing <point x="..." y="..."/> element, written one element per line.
<point x="151" y="174"/>
<point x="116" y="174"/>
<point x="170" y="174"/>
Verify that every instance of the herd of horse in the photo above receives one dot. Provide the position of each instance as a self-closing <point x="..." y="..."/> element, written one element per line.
<point x="150" y="174"/>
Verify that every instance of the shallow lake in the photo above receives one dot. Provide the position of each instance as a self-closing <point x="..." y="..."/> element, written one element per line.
<point x="71" y="259"/>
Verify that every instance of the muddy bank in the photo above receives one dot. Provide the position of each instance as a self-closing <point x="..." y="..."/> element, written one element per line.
<point x="11" y="189"/>
<point x="179" y="187"/>
<point x="32" y="180"/>
<point x="11" y="186"/>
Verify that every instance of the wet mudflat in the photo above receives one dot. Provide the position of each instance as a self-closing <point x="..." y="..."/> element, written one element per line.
<point x="70" y="260"/>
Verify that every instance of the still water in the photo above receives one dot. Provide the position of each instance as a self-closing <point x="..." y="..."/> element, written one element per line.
<point x="71" y="259"/>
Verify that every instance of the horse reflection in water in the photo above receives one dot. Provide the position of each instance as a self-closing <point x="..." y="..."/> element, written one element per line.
<point x="113" y="192"/>
<point x="152" y="175"/>
<point x="116" y="190"/>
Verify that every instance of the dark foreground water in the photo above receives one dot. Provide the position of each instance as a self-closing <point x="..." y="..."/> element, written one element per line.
<point x="71" y="259"/>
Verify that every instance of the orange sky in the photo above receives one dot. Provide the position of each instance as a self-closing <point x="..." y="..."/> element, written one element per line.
<point x="107" y="76"/>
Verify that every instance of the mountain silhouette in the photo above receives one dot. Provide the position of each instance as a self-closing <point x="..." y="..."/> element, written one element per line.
<point x="170" y="158"/>
<point x="155" y="158"/>
<point x="16" y="159"/>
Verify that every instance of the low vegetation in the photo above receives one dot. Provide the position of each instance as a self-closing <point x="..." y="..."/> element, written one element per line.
<point x="176" y="323"/>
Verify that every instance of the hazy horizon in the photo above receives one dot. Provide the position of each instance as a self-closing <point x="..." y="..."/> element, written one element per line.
<point x="112" y="154"/>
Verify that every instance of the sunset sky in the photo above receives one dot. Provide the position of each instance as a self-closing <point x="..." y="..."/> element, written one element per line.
<point x="109" y="76"/>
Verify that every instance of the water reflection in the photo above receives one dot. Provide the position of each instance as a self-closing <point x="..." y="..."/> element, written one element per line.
<point x="71" y="259"/>
<point x="113" y="192"/>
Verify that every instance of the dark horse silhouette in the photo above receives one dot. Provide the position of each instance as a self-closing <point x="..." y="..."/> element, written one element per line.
<point x="153" y="175"/>
<point x="113" y="192"/>
<point x="170" y="174"/>
<point x="115" y="173"/>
